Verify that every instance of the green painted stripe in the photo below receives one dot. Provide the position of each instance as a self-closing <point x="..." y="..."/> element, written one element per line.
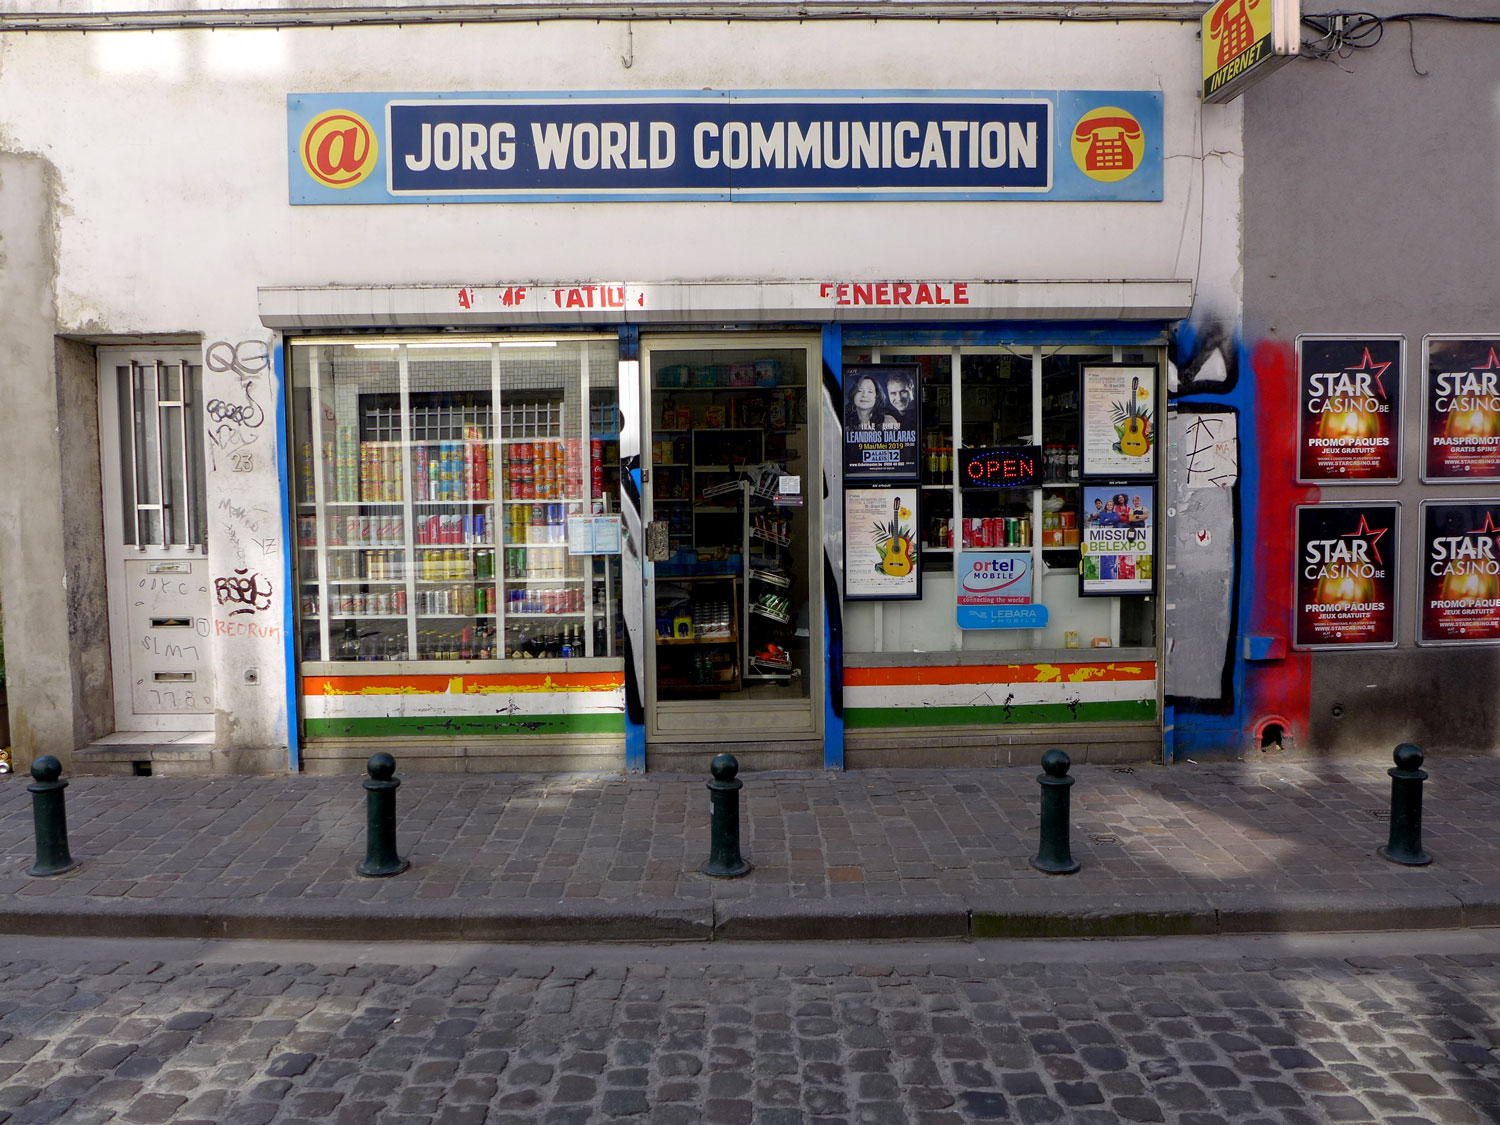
<point x="431" y="726"/>
<point x="1119" y="710"/>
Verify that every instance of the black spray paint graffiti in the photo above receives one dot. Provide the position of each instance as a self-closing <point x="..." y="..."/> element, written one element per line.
<point x="232" y="422"/>
<point x="251" y="592"/>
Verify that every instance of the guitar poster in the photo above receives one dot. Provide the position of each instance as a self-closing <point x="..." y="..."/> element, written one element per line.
<point x="1460" y="576"/>
<point x="1119" y="421"/>
<point x="881" y="555"/>
<point x="1462" y="396"/>
<point x="1349" y="413"/>
<point x="1118" y="545"/>
<point x="1346" y="576"/>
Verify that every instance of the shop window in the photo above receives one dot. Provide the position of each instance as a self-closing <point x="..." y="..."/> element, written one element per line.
<point x="435" y="485"/>
<point x="999" y="397"/>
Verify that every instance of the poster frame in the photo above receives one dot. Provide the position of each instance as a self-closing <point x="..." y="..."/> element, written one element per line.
<point x="1152" y="525"/>
<point x="912" y="588"/>
<point x="1096" y="460"/>
<point x="1397" y="414"/>
<point x="1394" y="566"/>
<point x="901" y="473"/>
<point x="1422" y="555"/>
<point x="1428" y="477"/>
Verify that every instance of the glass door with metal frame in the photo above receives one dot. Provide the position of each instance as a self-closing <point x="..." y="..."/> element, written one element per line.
<point x="734" y="596"/>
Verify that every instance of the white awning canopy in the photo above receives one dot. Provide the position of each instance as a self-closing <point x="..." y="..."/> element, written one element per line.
<point x="503" y="304"/>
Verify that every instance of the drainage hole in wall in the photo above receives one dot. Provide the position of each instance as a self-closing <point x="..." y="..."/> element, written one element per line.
<point x="140" y="769"/>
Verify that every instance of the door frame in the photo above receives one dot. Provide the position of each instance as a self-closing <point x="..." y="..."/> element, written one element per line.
<point x="116" y="552"/>
<point x="786" y="716"/>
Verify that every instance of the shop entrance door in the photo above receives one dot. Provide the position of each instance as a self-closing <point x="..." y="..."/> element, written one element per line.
<point x="155" y="532"/>
<point x="733" y="500"/>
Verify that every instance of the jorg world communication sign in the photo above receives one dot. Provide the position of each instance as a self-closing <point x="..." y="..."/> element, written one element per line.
<point x="724" y="145"/>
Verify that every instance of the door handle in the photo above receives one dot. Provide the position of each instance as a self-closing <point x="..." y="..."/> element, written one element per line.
<point x="657" y="547"/>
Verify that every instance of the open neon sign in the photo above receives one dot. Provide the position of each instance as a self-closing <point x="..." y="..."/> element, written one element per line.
<point x="1006" y="467"/>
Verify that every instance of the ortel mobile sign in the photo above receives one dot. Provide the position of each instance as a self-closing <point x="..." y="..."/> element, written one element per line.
<point x="701" y="146"/>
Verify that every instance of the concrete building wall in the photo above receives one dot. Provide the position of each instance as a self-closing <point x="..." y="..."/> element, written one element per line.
<point x="40" y="669"/>
<point x="1371" y="207"/>
<point x="167" y="206"/>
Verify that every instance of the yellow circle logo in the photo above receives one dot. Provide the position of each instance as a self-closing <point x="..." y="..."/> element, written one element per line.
<point x="339" y="148"/>
<point x="1108" y="144"/>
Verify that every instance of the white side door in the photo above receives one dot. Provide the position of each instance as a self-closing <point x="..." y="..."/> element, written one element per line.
<point x="155" y="530"/>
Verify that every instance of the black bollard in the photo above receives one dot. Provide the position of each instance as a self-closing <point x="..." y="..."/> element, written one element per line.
<point x="1405" y="846"/>
<point x="1055" y="856"/>
<point x="380" y="810"/>
<point x="50" y="815"/>
<point x="724" y="859"/>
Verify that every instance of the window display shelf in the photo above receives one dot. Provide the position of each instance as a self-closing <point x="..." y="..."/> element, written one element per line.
<point x="716" y="639"/>
<point x="550" y="613"/>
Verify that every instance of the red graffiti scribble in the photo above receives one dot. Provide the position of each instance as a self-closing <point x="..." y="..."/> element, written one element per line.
<point x="1276" y="690"/>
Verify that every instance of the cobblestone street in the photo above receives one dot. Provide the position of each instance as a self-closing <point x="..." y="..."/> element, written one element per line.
<point x="1189" y="1031"/>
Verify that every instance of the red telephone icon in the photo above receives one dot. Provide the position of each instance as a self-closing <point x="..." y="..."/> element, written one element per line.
<point x="1230" y="25"/>
<point x="1106" y="137"/>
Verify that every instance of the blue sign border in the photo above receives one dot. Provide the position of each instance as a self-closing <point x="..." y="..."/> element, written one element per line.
<point x="1068" y="183"/>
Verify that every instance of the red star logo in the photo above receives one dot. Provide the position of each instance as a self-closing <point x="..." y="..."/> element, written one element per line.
<point x="1489" y="527"/>
<point x="1378" y="369"/>
<point x="1374" y="536"/>
<point x="1493" y="362"/>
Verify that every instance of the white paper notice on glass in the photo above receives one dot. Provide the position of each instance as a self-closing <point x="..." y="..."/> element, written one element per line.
<point x="594" y="535"/>
<point x="789" y="485"/>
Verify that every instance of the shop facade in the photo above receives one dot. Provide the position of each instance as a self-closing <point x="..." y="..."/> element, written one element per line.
<point x="825" y="423"/>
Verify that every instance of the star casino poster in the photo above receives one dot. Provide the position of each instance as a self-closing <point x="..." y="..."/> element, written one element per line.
<point x="1463" y="408"/>
<point x="1349" y="420"/>
<point x="1346" y="576"/>
<point x="1460" y="573"/>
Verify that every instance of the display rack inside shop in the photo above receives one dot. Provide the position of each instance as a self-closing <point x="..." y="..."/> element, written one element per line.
<point x="768" y="604"/>
<point x="723" y="594"/>
<point x="470" y="562"/>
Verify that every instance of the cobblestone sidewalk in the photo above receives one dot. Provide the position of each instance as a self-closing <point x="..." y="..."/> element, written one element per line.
<point x="1274" y="837"/>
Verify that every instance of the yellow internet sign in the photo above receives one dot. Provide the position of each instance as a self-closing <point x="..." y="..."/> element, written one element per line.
<point x="1244" y="40"/>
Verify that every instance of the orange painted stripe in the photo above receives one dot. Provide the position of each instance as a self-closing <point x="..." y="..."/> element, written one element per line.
<point x="438" y="685"/>
<point x="998" y="674"/>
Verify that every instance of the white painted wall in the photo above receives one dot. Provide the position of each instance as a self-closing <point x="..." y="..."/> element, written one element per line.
<point x="189" y="127"/>
<point x="170" y="152"/>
